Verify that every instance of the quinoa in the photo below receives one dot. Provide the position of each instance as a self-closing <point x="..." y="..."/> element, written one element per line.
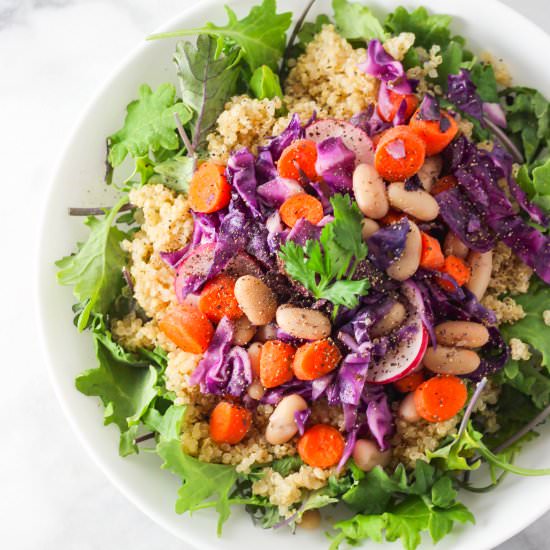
<point x="519" y="350"/>
<point x="546" y="317"/>
<point x="502" y="73"/>
<point x="328" y="75"/>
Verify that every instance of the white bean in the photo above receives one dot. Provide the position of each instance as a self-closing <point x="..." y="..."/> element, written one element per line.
<point x="393" y="319"/>
<point x="311" y="519"/>
<point x="243" y="331"/>
<point x="464" y="334"/>
<point x="282" y="424"/>
<point x="254" y="354"/>
<point x="417" y="203"/>
<point x="367" y="455"/>
<point x="370" y="192"/>
<point x="303" y="323"/>
<point x="369" y="228"/>
<point x="408" y="262"/>
<point x="407" y="409"/>
<point x="256" y="299"/>
<point x="430" y="171"/>
<point x="453" y="246"/>
<point x="256" y="390"/>
<point x="482" y="265"/>
<point x="446" y="360"/>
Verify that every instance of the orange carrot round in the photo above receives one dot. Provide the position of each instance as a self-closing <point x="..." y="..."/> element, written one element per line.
<point x="301" y="206"/>
<point x="276" y="363"/>
<point x="444" y="184"/>
<point x="187" y="327"/>
<point x="217" y="299"/>
<point x="299" y="155"/>
<point x="396" y="100"/>
<point x="315" y="359"/>
<point x="431" y="256"/>
<point x="458" y="269"/>
<point x="400" y="154"/>
<point x="440" y="398"/>
<point x="410" y="382"/>
<point x="322" y="446"/>
<point x="229" y="423"/>
<point x="430" y="131"/>
<point x="209" y="190"/>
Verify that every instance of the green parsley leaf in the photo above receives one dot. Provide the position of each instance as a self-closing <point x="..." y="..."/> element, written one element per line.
<point x="126" y="385"/>
<point x="201" y="480"/>
<point x="356" y="21"/>
<point x="537" y="184"/>
<point x="260" y="36"/>
<point x="428" y="29"/>
<point x="95" y="270"/>
<point x="287" y="465"/>
<point x="207" y="81"/>
<point x="149" y="124"/>
<point x="326" y="267"/>
<point x="265" y="83"/>
<point x="176" y="173"/>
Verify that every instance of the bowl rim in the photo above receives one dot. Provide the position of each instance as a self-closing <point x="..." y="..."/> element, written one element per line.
<point x="40" y="259"/>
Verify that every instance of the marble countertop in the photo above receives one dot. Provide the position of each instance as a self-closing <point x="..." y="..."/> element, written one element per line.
<point x="53" y="55"/>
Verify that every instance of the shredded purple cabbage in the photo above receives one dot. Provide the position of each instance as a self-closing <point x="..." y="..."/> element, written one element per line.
<point x="304" y="231"/>
<point x="335" y="163"/>
<point x="276" y="191"/>
<point x="265" y="167"/>
<point x="301" y="418"/>
<point x="292" y="132"/>
<point x="241" y="174"/>
<point x="383" y="66"/>
<point x="388" y="243"/>
<point x="463" y="93"/>
<point x="380" y="421"/>
<point x="370" y="121"/>
<point x="478" y="175"/>
<point x="348" y="449"/>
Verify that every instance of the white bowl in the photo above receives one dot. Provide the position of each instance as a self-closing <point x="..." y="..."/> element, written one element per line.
<point x="488" y="25"/>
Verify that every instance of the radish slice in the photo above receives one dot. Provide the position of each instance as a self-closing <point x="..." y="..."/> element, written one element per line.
<point x="407" y="355"/>
<point x="354" y="138"/>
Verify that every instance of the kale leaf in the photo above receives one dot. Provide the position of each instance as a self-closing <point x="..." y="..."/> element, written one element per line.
<point x="356" y="21"/>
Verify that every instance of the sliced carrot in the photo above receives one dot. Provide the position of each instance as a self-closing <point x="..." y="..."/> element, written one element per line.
<point x="187" y="327"/>
<point x="299" y="155"/>
<point x="409" y="383"/>
<point x="209" y="190"/>
<point x="458" y="269"/>
<point x="431" y="256"/>
<point x="444" y="184"/>
<point x="229" y="423"/>
<point x="315" y="359"/>
<point x="430" y="131"/>
<point x="396" y="100"/>
<point x="393" y="216"/>
<point x="440" y="398"/>
<point x="301" y="206"/>
<point x="400" y="154"/>
<point x="217" y="299"/>
<point x="322" y="446"/>
<point x="276" y="363"/>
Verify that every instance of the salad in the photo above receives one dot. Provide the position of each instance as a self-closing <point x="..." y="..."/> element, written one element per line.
<point x="326" y="280"/>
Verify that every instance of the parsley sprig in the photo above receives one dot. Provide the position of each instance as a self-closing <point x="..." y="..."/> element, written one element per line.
<point x="326" y="267"/>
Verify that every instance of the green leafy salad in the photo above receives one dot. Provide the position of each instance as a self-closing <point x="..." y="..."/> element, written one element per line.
<point x="326" y="282"/>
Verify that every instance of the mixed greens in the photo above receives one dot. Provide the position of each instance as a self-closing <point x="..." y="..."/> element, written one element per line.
<point x="164" y="135"/>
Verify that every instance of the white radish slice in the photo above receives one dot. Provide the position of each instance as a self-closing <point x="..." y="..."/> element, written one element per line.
<point x="406" y="356"/>
<point x="354" y="138"/>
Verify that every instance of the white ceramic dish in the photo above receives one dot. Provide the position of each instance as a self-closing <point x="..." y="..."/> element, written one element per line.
<point x="78" y="182"/>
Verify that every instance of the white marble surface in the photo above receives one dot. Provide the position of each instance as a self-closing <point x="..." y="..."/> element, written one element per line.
<point x="53" y="54"/>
